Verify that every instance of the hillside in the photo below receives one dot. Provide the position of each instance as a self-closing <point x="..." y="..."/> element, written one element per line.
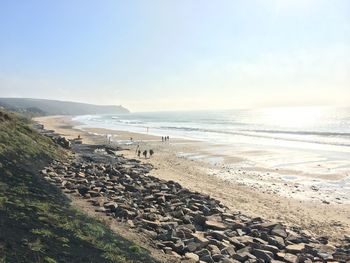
<point x="37" y="222"/>
<point x="55" y="107"/>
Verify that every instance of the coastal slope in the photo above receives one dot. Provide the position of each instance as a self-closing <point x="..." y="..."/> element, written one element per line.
<point x="37" y="221"/>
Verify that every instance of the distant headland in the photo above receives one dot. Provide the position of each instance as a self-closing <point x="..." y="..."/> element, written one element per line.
<point x="56" y="107"/>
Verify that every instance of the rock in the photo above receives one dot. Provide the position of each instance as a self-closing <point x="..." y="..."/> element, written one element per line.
<point x="207" y="258"/>
<point x="276" y="241"/>
<point x="228" y="260"/>
<point x="94" y="193"/>
<point x="264" y="255"/>
<point x="213" y="249"/>
<point x="83" y="190"/>
<point x="287" y="257"/>
<point x="230" y="251"/>
<point x="200" y="239"/>
<point x="215" y="225"/>
<point x="217" y="257"/>
<point x="101" y="209"/>
<point x="270" y="248"/>
<point x="341" y="256"/>
<point x="167" y="250"/>
<point x="295" y="249"/>
<point x="268" y="225"/>
<point x="280" y="231"/>
<point x="111" y="205"/>
<point x="193" y="246"/>
<point x="203" y="252"/>
<point x="192" y="256"/>
<point x="219" y="235"/>
<point x="199" y="219"/>
<point x="242" y="257"/>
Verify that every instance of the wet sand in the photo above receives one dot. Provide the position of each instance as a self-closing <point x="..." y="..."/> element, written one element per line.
<point x="274" y="195"/>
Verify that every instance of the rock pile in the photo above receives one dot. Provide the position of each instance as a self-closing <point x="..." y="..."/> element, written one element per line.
<point x="187" y="224"/>
<point x="56" y="138"/>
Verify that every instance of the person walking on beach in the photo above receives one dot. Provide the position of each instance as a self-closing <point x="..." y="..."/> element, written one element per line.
<point x="139" y="153"/>
<point x="137" y="148"/>
<point x="145" y="153"/>
<point x="162" y="139"/>
<point x="167" y="138"/>
<point x="151" y="152"/>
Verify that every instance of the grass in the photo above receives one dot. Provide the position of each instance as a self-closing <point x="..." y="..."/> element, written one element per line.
<point x="37" y="222"/>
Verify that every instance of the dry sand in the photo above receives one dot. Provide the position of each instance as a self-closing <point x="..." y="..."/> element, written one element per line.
<point x="256" y="193"/>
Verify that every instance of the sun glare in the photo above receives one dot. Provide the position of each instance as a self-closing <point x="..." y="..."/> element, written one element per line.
<point x="296" y="117"/>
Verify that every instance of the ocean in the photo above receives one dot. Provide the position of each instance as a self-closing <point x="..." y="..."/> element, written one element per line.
<point x="308" y="128"/>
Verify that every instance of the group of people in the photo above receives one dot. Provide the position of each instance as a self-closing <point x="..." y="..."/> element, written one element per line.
<point x="165" y="138"/>
<point x="144" y="153"/>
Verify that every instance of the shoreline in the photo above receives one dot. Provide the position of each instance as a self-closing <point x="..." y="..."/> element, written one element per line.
<point x="252" y="198"/>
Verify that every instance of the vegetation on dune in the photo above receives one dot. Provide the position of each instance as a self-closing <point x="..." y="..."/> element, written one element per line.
<point x="37" y="223"/>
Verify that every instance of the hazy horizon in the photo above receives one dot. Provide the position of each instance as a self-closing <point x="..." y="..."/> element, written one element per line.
<point x="183" y="55"/>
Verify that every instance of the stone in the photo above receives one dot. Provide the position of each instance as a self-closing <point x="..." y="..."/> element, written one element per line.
<point x="240" y="232"/>
<point x="280" y="231"/>
<point x="111" y="205"/>
<point x="270" y="248"/>
<point x="290" y="258"/>
<point x="228" y="260"/>
<point x="199" y="219"/>
<point x="296" y="248"/>
<point x="264" y="255"/>
<point x="167" y="250"/>
<point x="230" y="251"/>
<point x="213" y="249"/>
<point x="193" y="246"/>
<point x="276" y="241"/>
<point x="217" y="257"/>
<point x="192" y="256"/>
<point x="215" y="225"/>
<point x="207" y="258"/>
<point x="219" y="235"/>
<point x="200" y="239"/>
<point x="203" y="252"/>
<point x="242" y="257"/>
<point x="83" y="190"/>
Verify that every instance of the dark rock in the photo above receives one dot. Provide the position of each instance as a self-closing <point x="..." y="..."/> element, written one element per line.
<point x="264" y="255"/>
<point x="280" y="231"/>
<point x="207" y="258"/>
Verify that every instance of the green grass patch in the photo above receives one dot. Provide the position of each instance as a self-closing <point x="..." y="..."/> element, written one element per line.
<point x="37" y="222"/>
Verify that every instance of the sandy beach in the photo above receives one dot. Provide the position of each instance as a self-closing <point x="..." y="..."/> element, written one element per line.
<point x="273" y="195"/>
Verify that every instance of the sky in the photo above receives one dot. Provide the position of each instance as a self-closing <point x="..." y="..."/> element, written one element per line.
<point x="177" y="55"/>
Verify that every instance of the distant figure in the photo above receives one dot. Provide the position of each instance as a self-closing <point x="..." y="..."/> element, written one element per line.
<point x="137" y="148"/>
<point x="145" y="153"/>
<point x="151" y="152"/>
<point x="79" y="136"/>
<point x="162" y="139"/>
<point x="130" y="138"/>
<point x="167" y="138"/>
<point x="139" y="153"/>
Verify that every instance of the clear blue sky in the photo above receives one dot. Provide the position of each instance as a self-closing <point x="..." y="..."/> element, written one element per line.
<point x="183" y="54"/>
